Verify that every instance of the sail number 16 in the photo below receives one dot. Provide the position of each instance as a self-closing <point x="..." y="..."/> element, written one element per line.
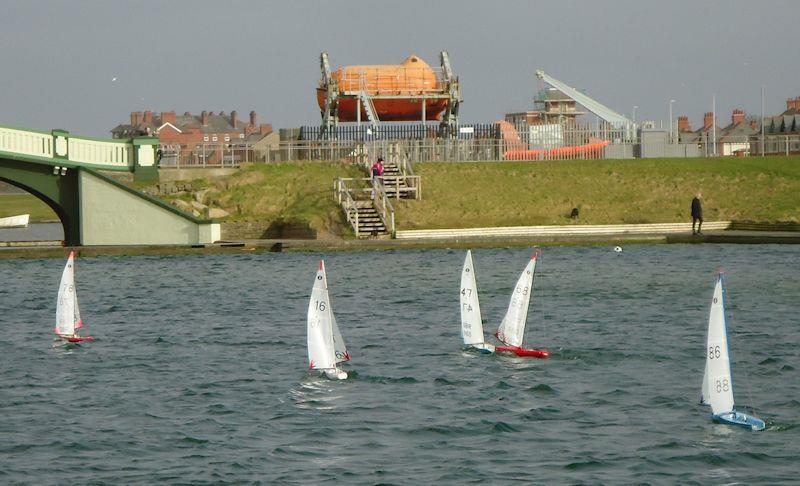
<point x="320" y="305"/>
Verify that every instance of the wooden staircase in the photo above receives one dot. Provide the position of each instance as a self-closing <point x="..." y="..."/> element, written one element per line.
<point x="366" y="206"/>
<point x="369" y="222"/>
<point x="394" y="181"/>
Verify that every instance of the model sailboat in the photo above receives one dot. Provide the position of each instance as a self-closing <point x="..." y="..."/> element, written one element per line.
<point x="326" y="348"/>
<point x="68" y="313"/>
<point x="512" y="329"/>
<point x="471" y="323"/>
<point x="717" y="389"/>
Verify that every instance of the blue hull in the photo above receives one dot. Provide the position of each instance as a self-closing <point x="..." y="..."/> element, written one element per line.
<point x="740" y="419"/>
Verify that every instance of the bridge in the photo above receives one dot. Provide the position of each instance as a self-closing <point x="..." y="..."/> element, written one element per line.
<point x="64" y="171"/>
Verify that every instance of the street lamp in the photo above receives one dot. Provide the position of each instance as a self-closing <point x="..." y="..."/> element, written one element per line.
<point x="762" y="120"/>
<point x="671" y="136"/>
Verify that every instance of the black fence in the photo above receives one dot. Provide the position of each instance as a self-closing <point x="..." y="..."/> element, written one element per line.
<point x="417" y="131"/>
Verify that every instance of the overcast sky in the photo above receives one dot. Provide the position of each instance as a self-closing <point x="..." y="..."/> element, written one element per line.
<point x="85" y="65"/>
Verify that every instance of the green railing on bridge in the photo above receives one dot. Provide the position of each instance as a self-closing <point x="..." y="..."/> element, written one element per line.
<point x="137" y="155"/>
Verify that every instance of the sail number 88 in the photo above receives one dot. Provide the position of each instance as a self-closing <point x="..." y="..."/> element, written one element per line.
<point x="722" y="385"/>
<point x="714" y="352"/>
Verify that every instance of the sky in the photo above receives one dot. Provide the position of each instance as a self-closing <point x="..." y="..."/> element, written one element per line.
<point x="84" y="65"/>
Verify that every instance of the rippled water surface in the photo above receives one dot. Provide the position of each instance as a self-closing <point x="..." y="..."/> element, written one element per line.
<point x="198" y="374"/>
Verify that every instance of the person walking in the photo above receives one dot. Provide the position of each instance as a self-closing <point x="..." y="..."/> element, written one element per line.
<point x="697" y="213"/>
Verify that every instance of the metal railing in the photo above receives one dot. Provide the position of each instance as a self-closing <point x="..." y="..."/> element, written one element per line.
<point x="348" y="191"/>
<point x="396" y="80"/>
<point x="446" y="150"/>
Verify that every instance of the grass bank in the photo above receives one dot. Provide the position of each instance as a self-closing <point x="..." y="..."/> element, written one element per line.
<point x="14" y="204"/>
<point x="299" y="191"/>
<point x="485" y="194"/>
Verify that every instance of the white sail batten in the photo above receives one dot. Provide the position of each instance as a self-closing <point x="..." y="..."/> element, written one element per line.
<point x="321" y="347"/>
<point x="471" y="323"/>
<point x="512" y="328"/>
<point x="717" y="389"/>
<point x="67" y="313"/>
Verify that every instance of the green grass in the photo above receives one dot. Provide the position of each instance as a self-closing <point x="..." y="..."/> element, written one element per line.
<point x="485" y="194"/>
<point x="291" y="191"/>
<point x="14" y="204"/>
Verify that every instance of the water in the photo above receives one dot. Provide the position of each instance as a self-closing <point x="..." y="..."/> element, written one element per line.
<point x="34" y="232"/>
<point x="198" y="374"/>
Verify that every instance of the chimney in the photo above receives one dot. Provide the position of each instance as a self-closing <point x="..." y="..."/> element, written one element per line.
<point x="754" y="124"/>
<point x="148" y="117"/>
<point x="708" y="119"/>
<point x="234" y="119"/>
<point x="136" y="118"/>
<point x="204" y="118"/>
<point x="252" y="118"/>
<point x="167" y="117"/>
<point x="737" y="117"/>
<point x="683" y="124"/>
<point x="265" y="128"/>
<point x="791" y="104"/>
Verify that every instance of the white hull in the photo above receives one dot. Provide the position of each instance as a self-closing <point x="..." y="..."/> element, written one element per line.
<point x="20" y="221"/>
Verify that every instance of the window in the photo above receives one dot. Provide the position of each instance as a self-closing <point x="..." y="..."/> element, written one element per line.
<point x="214" y="138"/>
<point x="241" y="135"/>
<point x="227" y="138"/>
<point x="205" y="138"/>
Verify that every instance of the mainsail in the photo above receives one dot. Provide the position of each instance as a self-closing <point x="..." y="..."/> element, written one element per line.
<point x="471" y="324"/>
<point x="68" y="315"/>
<point x="322" y="326"/>
<point x="717" y="389"/>
<point x="512" y="328"/>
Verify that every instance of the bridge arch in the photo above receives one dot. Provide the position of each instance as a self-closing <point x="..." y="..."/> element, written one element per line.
<point x="59" y="191"/>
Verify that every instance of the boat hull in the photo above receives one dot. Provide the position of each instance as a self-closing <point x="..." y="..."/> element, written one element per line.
<point x="394" y="109"/>
<point x="335" y="374"/>
<point x="482" y="348"/>
<point x="524" y="352"/>
<point x="20" y="221"/>
<point x="76" y="339"/>
<point x="740" y="419"/>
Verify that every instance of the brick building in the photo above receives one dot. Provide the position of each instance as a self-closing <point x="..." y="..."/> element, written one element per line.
<point x="193" y="139"/>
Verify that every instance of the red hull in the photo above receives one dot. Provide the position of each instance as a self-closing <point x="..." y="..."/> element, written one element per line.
<point x="82" y="339"/>
<point x="524" y="352"/>
<point x="388" y="109"/>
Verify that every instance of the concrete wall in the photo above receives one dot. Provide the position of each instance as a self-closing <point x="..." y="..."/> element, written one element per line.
<point x="654" y="143"/>
<point x="111" y="215"/>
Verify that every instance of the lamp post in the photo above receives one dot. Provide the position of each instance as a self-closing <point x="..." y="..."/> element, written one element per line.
<point x="671" y="136"/>
<point x="762" y="120"/>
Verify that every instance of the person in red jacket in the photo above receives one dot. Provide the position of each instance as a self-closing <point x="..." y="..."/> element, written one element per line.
<point x="377" y="168"/>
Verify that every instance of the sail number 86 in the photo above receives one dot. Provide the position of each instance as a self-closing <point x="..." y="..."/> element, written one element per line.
<point x="714" y="352"/>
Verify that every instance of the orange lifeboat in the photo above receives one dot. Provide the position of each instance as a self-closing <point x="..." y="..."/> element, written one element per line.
<point x="397" y="91"/>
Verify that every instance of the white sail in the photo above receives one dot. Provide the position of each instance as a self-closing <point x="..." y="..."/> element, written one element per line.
<point x="471" y="324"/>
<point x="339" y="348"/>
<point x="67" y="313"/>
<point x="717" y="389"/>
<point x="321" y="347"/>
<point x="512" y="328"/>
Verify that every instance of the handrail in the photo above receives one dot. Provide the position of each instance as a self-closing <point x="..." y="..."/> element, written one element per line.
<point x="345" y="199"/>
<point x="377" y="193"/>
